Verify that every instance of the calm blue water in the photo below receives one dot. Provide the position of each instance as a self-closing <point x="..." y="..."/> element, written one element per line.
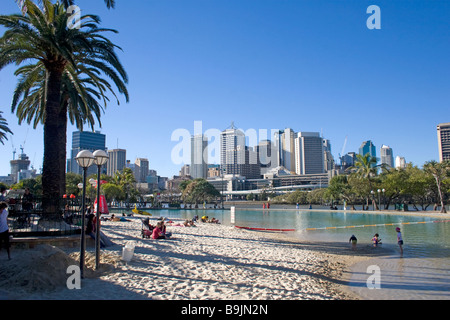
<point x="420" y="240"/>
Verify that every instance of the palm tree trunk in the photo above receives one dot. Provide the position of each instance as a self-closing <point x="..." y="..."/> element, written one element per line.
<point x="54" y="141"/>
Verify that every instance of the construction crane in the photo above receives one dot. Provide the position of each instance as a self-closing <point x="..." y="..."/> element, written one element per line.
<point x="13" y="149"/>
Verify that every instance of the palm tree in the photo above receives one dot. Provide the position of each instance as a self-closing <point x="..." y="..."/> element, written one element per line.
<point x="42" y="36"/>
<point x="4" y="129"/>
<point x="439" y="171"/>
<point x="366" y="168"/>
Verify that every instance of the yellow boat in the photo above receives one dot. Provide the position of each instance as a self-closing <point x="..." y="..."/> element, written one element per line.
<point x="136" y="211"/>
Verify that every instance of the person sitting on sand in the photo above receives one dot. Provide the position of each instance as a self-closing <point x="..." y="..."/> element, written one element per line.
<point x="164" y="231"/>
<point x="188" y="223"/>
<point x="157" y="231"/>
<point x="205" y="219"/>
<point x="376" y="240"/>
<point x="214" y="220"/>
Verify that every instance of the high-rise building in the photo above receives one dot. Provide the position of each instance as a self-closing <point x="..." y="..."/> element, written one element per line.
<point x="232" y="150"/>
<point x="386" y="155"/>
<point x="85" y="140"/>
<point x="368" y="147"/>
<point x="267" y="154"/>
<point x="400" y="162"/>
<point x="443" y="132"/>
<point x="185" y="170"/>
<point x="199" y="156"/>
<point x="328" y="159"/>
<point x="117" y="161"/>
<point x="141" y="169"/>
<point x="19" y="165"/>
<point x="309" y="153"/>
<point x="285" y="141"/>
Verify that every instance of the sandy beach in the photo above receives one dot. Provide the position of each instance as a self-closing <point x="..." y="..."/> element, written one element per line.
<point x="209" y="261"/>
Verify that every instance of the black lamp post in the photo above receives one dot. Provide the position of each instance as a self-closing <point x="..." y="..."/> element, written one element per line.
<point x="100" y="158"/>
<point x="85" y="159"/>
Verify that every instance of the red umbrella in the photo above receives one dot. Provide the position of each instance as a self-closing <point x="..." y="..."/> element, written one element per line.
<point x="103" y="205"/>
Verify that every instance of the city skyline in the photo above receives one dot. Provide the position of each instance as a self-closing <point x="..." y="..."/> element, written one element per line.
<point x="311" y="66"/>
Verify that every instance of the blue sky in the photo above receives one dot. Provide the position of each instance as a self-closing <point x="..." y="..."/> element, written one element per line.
<point x="311" y="65"/>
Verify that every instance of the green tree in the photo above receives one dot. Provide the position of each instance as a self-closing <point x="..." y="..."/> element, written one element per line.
<point x="439" y="171"/>
<point x="365" y="167"/>
<point x="44" y="36"/>
<point x="113" y="192"/>
<point x="200" y="190"/>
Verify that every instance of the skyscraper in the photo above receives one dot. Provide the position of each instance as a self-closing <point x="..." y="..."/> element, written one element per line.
<point x="199" y="156"/>
<point x="232" y="150"/>
<point x="85" y="140"/>
<point x="117" y="161"/>
<point x="141" y="169"/>
<point x="367" y="147"/>
<point x="400" y="162"/>
<point x="18" y="165"/>
<point x="309" y="153"/>
<point x="443" y="132"/>
<point x="386" y="155"/>
<point x="285" y="141"/>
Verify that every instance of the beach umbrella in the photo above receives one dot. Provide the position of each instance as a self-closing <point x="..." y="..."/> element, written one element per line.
<point x="103" y="205"/>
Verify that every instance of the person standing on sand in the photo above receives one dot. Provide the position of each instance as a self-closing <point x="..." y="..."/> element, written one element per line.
<point x="4" y="230"/>
<point x="399" y="239"/>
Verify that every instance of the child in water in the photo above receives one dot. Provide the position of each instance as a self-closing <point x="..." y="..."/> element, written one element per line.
<point x="376" y="240"/>
<point x="353" y="240"/>
<point x="399" y="239"/>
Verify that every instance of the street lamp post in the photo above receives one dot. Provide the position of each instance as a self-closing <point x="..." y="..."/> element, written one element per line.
<point x="100" y="158"/>
<point x="373" y="206"/>
<point x="379" y="199"/>
<point x="85" y="159"/>
<point x="384" y="198"/>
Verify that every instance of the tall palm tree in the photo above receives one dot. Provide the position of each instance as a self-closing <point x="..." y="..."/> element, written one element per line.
<point x="4" y="129"/>
<point x="43" y="37"/>
<point x="365" y="167"/>
<point x="439" y="171"/>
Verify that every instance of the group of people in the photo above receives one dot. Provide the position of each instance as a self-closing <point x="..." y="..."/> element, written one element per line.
<point x="376" y="240"/>
<point x="212" y="220"/>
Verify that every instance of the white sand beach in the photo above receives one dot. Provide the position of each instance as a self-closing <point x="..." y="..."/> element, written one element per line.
<point x="209" y="261"/>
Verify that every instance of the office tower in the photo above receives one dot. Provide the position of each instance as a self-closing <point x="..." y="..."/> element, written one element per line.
<point x="232" y="150"/>
<point x="284" y="141"/>
<point x="348" y="160"/>
<point x="199" y="156"/>
<point x="309" y="153"/>
<point x="117" y="161"/>
<point x="267" y="155"/>
<point x="185" y="170"/>
<point x="386" y="155"/>
<point x="367" y="147"/>
<point x="400" y="162"/>
<point x="18" y="165"/>
<point x="443" y="132"/>
<point x="328" y="159"/>
<point x="85" y="140"/>
<point x="141" y="167"/>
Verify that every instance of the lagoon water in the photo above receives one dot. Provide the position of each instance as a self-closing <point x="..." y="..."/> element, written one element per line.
<point x="422" y="272"/>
